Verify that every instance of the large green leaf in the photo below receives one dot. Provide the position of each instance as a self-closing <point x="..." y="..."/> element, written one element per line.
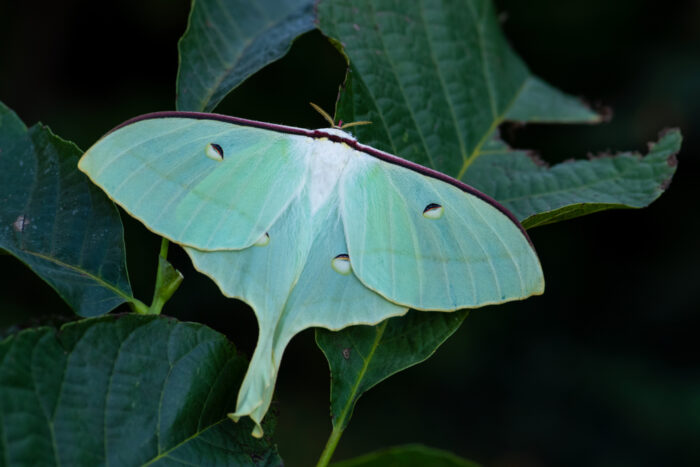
<point x="362" y="356"/>
<point x="539" y="195"/>
<point x="123" y="390"/>
<point x="436" y="78"/>
<point x="413" y="455"/>
<point x="228" y="41"/>
<point x="57" y="222"/>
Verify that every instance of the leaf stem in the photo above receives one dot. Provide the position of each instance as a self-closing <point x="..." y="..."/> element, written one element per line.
<point x="167" y="280"/>
<point x="137" y="306"/>
<point x="164" y="248"/>
<point x="331" y="444"/>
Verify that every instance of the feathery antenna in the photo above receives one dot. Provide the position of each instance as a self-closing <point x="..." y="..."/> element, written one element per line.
<point x="329" y="119"/>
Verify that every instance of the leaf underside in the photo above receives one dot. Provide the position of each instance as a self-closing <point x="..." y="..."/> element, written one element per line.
<point x="123" y="390"/>
<point x="228" y="41"/>
<point x="57" y="222"/>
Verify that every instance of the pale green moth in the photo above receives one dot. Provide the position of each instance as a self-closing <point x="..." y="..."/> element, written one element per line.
<point x="310" y="227"/>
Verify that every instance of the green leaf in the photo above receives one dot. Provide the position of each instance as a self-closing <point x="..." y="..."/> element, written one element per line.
<point x="57" y="222"/>
<point x="540" y="195"/>
<point x="362" y="356"/>
<point x="227" y="41"/>
<point x="538" y="102"/>
<point x="436" y="78"/>
<point x="407" y="456"/>
<point x="123" y="390"/>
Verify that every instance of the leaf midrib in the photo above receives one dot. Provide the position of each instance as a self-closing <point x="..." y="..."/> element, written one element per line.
<point x="365" y="366"/>
<point x="498" y="117"/>
<point x="183" y="442"/>
<point x="487" y="135"/>
<point x="83" y="272"/>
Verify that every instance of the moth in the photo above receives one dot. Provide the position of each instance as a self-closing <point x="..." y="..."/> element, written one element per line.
<point x="311" y="228"/>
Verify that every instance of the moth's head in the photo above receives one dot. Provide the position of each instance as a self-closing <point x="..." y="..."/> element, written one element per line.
<point x="337" y="132"/>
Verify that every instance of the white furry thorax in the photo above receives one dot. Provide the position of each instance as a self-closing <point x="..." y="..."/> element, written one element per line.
<point x="337" y="132"/>
<point x="326" y="162"/>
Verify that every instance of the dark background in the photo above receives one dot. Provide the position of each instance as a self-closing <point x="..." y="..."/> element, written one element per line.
<point x="603" y="370"/>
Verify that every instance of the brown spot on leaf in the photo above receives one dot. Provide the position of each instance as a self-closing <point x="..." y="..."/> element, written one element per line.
<point x="534" y="157"/>
<point x="672" y="160"/>
<point x="666" y="131"/>
<point x="609" y="154"/>
<point x="346" y="353"/>
<point x="20" y="223"/>
<point x="604" y="112"/>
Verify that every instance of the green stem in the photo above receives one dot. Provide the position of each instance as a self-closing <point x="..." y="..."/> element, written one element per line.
<point x="137" y="306"/>
<point x="330" y="446"/>
<point x="167" y="281"/>
<point x="165" y="286"/>
<point x="164" y="243"/>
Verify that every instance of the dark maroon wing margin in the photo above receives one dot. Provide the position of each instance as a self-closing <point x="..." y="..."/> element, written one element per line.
<point x="384" y="156"/>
